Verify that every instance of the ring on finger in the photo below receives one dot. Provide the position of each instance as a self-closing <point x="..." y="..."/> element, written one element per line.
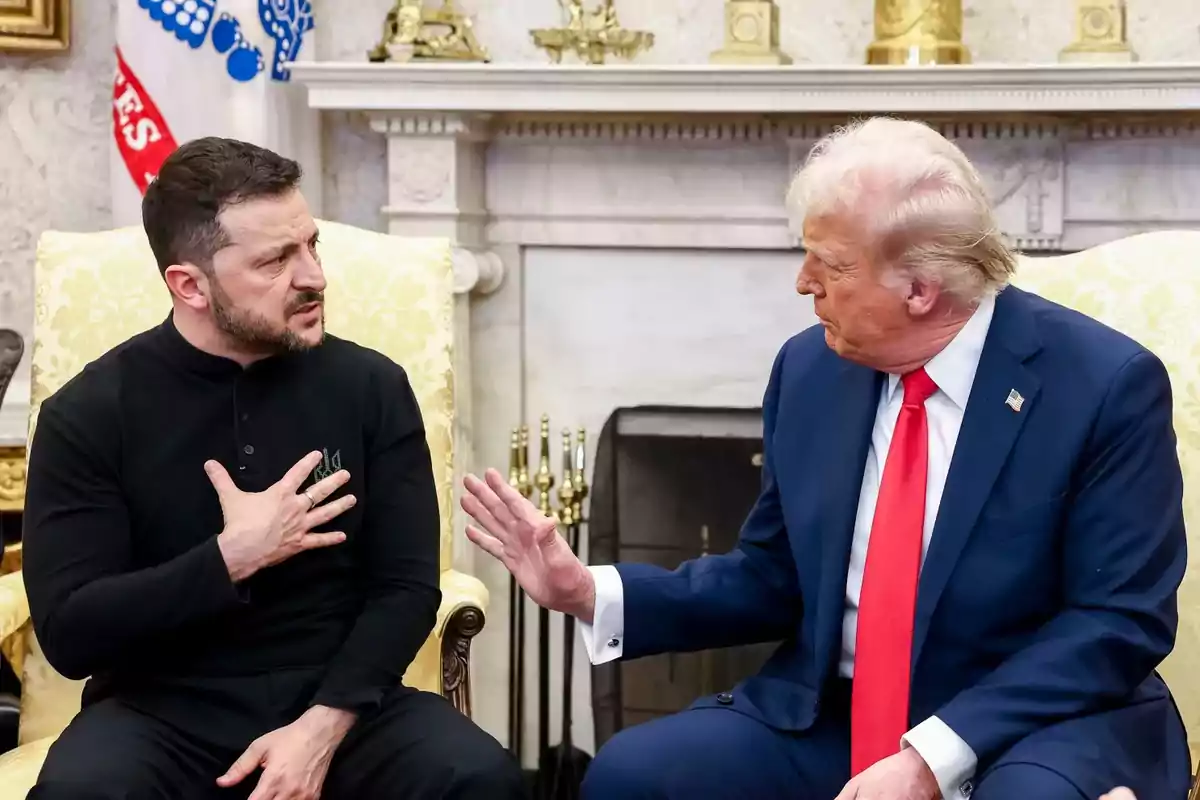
<point x="312" y="502"/>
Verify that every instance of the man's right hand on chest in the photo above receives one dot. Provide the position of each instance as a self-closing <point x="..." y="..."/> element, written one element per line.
<point x="264" y="528"/>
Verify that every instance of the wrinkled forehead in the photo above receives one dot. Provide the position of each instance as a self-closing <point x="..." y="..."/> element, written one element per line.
<point x="833" y="238"/>
<point x="262" y="226"/>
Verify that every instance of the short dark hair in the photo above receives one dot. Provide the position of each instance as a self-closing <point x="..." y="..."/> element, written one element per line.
<point x="196" y="183"/>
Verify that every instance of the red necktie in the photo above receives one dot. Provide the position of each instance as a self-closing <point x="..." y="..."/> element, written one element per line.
<point x="887" y="603"/>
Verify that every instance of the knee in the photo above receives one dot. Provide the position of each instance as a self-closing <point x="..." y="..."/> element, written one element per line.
<point x="491" y="774"/>
<point x="1026" y="780"/>
<point x="67" y="789"/>
<point x="624" y="767"/>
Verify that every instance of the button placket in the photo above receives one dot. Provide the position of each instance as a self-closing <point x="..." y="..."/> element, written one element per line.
<point x="241" y="416"/>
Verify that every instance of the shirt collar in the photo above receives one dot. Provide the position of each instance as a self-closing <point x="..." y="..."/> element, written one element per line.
<point x="953" y="369"/>
<point x="182" y="353"/>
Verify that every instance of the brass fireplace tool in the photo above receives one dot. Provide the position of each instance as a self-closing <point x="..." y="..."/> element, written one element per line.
<point x="572" y="490"/>
<point x="591" y="35"/>
<point x="413" y="32"/>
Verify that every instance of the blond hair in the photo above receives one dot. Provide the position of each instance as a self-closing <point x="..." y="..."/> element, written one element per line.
<point x="921" y="202"/>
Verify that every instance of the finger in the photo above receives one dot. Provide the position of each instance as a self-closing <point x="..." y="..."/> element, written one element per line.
<point x="489" y="544"/>
<point x="314" y="541"/>
<point x="247" y="763"/>
<point x="515" y="502"/>
<point x="267" y="788"/>
<point x="490" y="499"/>
<point x="293" y="479"/>
<point x="476" y="510"/>
<point x="323" y="488"/>
<point x="322" y="514"/>
<point x="219" y="478"/>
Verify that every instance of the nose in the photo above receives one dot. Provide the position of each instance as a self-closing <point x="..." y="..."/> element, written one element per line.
<point x="309" y="274"/>
<point x="806" y="284"/>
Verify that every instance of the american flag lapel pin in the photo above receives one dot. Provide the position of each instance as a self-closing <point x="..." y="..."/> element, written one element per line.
<point x="1015" y="400"/>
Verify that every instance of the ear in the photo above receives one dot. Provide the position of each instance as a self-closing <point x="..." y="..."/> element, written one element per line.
<point x="189" y="284"/>
<point x="922" y="296"/>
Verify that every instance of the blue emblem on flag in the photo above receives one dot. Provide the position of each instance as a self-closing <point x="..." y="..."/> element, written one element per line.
<point x="189" y="20"/>
<point x="286" y="21"/>
<point x="245" y="60"/>
<point x="194" y="21"/>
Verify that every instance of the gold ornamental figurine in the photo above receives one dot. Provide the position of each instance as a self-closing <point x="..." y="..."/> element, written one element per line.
<point x="751" y="34"/>
<point x="591" y="35"/>
<point x="912" y="32"/>
<point x="1099" y="34"/>
<point x="413" y="32"/>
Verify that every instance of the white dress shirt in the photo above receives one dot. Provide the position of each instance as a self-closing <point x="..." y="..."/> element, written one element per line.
<point x="953" y="370"/>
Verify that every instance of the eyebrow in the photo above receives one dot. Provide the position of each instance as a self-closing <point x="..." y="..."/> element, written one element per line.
<point x="276" y="252"/>
<point x="819" y="252"/>
<point x="283" y="250"/>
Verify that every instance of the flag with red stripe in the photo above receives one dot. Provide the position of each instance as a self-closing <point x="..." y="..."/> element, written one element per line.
<point x="192" y="68"/>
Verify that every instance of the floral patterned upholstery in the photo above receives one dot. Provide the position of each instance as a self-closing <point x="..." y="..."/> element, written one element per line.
<point x="94" y="290"/>
<point x="1148" y="287"/>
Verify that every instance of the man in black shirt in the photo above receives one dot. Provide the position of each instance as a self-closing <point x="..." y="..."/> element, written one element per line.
<point x="231" y="527"/>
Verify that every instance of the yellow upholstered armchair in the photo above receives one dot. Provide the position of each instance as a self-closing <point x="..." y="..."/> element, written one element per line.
<point x="392" y="294"/>
<point x="1148" y="287"/>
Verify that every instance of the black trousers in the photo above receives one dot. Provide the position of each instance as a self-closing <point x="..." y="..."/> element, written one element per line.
<point x="418" y="747"/>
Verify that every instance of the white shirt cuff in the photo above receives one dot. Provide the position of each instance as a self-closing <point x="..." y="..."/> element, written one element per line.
<point x="604" y="639"/>
<point x="951" y="760"/>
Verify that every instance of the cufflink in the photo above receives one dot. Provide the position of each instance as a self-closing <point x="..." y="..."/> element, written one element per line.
<point x="614" y="642"/>
<point x="966" y="788"/>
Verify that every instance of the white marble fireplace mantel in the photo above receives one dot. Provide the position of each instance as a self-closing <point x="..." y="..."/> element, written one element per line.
<point x="705" y="89"/>
<point x="700" y="156"/>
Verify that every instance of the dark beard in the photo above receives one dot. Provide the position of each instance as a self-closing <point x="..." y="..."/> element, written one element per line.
<point x="253" y="333"/>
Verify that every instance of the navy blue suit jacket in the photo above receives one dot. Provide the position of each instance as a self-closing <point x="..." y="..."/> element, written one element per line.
<point x="1048" y="594"/>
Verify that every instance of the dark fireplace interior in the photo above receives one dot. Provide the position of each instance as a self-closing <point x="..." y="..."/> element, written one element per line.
<point x="671" y="484"/>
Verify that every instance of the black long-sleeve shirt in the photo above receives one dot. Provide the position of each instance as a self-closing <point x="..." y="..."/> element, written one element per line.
<point x="126" y="583"/>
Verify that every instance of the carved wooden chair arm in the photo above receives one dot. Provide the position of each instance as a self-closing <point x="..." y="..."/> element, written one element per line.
<point x="460" y="619"/>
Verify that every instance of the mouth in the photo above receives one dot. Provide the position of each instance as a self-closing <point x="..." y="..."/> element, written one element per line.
<point x="306" y="309"/>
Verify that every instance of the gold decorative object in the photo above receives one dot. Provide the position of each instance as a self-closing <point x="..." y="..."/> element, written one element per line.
<point x="35" y="25"/>
<point x="10" y="561"/>
<point x="911" y="32"/>
<point x="751" y="34"/>
<point x="1099" y="34"/>
<point x="592" y="36"/>
<point x="572" y="485"/>
<point x="577" y="474"/>
<point x="566" y="487"/>
<point x="12" y="478"/>
<point x="413" y="32"/>
<point x="543" y="481"/>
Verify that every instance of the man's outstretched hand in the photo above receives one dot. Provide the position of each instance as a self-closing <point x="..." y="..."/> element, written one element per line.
<point x="295" y="759"/>
<point x="527" y="542"/>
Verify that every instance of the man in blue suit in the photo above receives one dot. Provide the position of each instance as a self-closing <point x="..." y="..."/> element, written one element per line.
<point x="969" y="536"/>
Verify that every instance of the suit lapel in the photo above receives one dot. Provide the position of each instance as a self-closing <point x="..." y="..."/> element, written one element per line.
<point x="990" y="426"/>
<point x="842" y="448"/>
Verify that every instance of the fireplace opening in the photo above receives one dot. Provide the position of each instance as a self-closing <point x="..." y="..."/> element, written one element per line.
<point x="671" y="484"/>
